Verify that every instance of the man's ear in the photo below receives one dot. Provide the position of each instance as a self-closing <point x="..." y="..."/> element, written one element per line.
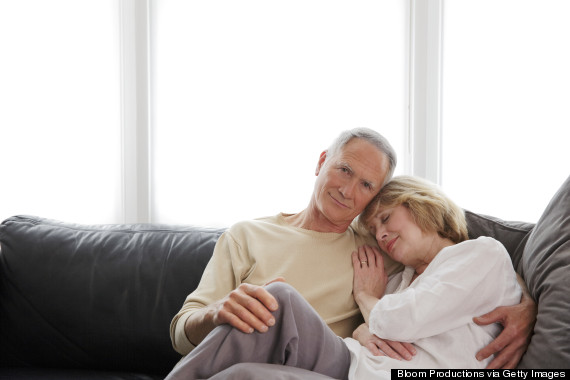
<point x="322" y="159"/>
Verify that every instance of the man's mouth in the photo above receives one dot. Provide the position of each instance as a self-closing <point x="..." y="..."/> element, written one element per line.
<point x="338" y="202"/>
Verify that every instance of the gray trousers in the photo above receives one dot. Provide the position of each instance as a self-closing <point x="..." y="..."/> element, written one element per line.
<point x="299" y="346"/>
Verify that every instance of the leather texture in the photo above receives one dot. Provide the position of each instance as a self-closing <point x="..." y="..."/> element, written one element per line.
<point x="95" y="297"/>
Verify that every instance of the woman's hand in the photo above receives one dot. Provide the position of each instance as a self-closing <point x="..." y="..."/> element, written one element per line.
<point x="383" y="347"/>
<point x="370" y="279"/>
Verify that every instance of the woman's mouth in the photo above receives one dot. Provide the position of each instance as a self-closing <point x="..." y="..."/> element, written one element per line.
<point x="390" y="244"/>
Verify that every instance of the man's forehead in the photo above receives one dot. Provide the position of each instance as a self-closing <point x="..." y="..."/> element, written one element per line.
<point x="365" y="158"/>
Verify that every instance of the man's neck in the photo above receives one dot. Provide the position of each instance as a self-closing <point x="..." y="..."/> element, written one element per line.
<point x="314" y="222"/>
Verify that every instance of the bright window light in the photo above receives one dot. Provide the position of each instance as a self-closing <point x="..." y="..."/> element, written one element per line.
<point x="506" y="125"/>
<point x="247" y="94"/>
<point x="60" y="110"/>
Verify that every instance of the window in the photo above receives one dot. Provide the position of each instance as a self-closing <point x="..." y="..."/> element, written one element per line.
<point x="506" y="93"/>
<point x="211" y="112"/>
<point x="247" y="94"/>
<point x="60" y="130"/>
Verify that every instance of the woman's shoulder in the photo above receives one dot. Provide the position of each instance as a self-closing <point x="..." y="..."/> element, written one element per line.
<point x="483" y="248"/>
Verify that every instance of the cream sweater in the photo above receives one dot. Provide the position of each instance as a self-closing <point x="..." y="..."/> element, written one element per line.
<point x="317" y="264"/>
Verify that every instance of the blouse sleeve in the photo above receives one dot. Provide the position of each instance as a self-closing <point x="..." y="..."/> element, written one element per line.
<point x="462" y="282"/>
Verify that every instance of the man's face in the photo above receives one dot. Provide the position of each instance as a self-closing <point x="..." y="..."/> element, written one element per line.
<point x="347" y="181"/>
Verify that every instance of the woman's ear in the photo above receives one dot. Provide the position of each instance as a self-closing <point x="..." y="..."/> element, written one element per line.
<point x="322" y="159"/>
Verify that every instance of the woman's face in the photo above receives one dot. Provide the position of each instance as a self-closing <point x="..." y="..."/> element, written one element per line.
<point x="399" y="236"/>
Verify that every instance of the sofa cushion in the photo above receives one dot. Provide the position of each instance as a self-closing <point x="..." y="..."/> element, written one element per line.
<point x="546" y="271"/>
<point x="511" y="234"/>
<point x="95" y="297"/>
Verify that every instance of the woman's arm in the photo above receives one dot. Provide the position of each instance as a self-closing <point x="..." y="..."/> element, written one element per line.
<point x="382" y="347"/>
<point x="369" y="285"/>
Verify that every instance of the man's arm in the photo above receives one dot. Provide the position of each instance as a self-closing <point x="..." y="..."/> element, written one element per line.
<point x="518" y="323"/>
<point x="220" y="298"/>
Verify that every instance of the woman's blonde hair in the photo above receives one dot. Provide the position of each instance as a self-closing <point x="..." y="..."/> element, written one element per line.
<point x="430" y="208"/>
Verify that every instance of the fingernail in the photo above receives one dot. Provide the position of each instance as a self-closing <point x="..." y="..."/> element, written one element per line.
<point x="264" y="328"/>
<point x="250" y="330"/>
<point x="271" y="322"/>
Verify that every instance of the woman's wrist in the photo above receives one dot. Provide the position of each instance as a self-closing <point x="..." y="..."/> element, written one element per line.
<point x="366" y="303"/>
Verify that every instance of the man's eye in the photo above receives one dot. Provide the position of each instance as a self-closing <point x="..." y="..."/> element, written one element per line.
<point x="385" y="219"/>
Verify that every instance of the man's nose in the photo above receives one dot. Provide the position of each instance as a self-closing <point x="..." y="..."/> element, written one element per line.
<point x="348" y="188"/>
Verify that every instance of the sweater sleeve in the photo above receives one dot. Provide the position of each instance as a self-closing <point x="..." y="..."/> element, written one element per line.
<point x="222" y="274"/>
<point x="463" y="281"/>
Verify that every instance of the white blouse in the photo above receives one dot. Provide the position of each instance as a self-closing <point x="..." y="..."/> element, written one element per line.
<point x="435" y="312"/>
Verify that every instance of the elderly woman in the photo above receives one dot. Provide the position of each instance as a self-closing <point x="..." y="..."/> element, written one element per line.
<point x="430" y="304"/>
<point x="446" y="281"/>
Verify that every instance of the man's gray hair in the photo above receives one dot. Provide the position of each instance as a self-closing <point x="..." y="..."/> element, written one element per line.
<point x="374" y="138"/>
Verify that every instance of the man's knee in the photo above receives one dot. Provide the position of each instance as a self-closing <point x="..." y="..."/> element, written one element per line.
<point x="288" y="298"/>
<point x="283" y="292"/>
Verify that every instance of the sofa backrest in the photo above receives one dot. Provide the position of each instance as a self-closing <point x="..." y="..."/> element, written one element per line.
<point x="513" y="235"/>
<point x="95" y="297"/>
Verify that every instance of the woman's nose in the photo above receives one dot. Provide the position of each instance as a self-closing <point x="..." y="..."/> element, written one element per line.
<point x="381" y="234"/>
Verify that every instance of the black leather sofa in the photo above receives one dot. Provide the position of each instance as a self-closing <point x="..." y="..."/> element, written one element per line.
<point x="95" y="302"/>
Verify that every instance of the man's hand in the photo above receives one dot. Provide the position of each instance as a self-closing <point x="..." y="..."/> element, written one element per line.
<point x="518" y="323"/>
<point x="383" y="347"/>
<point x="247" y="308"/>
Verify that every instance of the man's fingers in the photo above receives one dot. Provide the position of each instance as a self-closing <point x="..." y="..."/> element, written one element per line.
<point x="261" y="294"/>
<point x="506" y="359"/>
<point x="506" y="349"/>
<point x="225" y="317"/>
<point x="495" y="346"/>
<point x="494" y="316"/>
<point x="247" y="308"/>
<point x="259" y="302"/>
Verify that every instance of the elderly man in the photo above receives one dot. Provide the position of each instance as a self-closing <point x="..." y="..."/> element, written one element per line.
<point x="310" y="250"/>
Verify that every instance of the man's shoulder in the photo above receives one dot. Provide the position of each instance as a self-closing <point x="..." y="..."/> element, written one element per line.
<point x="256" y="226"/>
